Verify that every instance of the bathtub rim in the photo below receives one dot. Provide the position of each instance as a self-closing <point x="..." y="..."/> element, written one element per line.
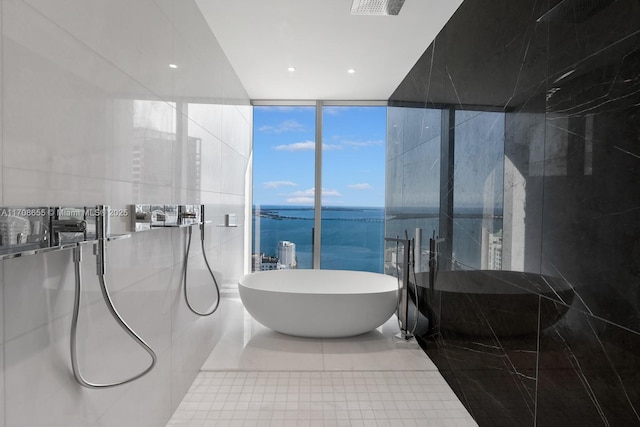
<point x="324" y="289"/>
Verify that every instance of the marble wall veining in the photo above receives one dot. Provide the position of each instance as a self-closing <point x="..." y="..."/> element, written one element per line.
<point x="563" y="77"/>
<point x="91" y="114"/>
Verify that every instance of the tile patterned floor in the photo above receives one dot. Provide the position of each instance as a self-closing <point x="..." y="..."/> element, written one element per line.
<point x="257" y="377"/>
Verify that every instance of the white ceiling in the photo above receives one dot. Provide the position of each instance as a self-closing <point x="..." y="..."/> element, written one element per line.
<point x="321" y="39"/>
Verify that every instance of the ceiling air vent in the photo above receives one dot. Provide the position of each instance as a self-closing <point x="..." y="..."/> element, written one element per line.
<point x="376" y="7"/>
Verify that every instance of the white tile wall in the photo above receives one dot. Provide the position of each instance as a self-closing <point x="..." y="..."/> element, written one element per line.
<point x="39" y="289"/>
<point x="39" y="389"/>
<point x="92" y="114"/>
<point x="129" y="409"/>
<point x="2" y="347"/>
<point x="2" y="396"/>
<point x="135" y="36"/>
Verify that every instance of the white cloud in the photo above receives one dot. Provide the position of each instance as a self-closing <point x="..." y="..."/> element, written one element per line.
<point x="296" y="146"/>
<point x="362" y="144"/>
<point x="337" y="110"/>
<point x="326" y="192"/>
<point x="286" y="126"/>
<point x="332" y="111"/>
<point x="360" y="186"/>
<point x="305" y="146"/>
<point x="310" y="192"/>
<point x="307" y="197"/>
<point x="301" y="200"/>
<point x="277" y="184"/>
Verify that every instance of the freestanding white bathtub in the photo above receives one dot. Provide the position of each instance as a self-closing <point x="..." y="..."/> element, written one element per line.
<point x="319" y="303"/>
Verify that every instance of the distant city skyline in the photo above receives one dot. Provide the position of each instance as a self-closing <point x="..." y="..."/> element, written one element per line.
<point x="353" y="163"/>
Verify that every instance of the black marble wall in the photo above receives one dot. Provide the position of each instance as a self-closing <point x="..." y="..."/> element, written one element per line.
<point x="566" y="75"/>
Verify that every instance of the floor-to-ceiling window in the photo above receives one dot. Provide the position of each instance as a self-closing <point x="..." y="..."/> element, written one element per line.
<point x="342" y="227"/>
<point x="478" y="190"/>
<point x="353" y="161"/>
<point x="283" y="187"/>
<point x="413" y="180"/>
<point x="445" y="173"/>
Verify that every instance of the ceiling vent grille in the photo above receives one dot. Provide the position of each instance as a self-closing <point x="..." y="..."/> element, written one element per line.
<point x="376" y="7"/>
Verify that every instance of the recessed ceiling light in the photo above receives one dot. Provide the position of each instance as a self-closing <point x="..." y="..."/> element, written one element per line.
<point x="173" y="66"/>
<point x="291" y="69"/>
<point x="351" y="70"/>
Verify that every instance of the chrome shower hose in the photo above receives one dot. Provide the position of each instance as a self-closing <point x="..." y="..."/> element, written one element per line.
<point x="184" y="281"/>
<point x="77" y="258"/>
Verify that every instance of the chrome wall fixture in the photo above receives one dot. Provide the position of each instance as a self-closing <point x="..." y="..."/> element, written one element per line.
<point x="99" y="249"/>
<point x="206" y="261"/>
<point x="36" y="230"/>
<point x="148" y="217"/>
<point x="26" y="231"/>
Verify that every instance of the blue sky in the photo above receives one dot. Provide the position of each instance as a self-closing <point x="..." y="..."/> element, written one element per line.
<point x="353" y="156"/>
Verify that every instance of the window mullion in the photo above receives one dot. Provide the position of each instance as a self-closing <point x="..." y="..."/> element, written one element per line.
<point x="317" y="230"/>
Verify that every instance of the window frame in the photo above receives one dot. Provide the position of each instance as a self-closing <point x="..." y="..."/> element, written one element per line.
<point x="319" y="104"/>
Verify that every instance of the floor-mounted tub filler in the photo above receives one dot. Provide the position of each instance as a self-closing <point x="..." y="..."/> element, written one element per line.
<point x="319" y="303"/>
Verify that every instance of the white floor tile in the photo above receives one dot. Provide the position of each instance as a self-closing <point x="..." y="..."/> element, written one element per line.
<point x="257" y="377"/>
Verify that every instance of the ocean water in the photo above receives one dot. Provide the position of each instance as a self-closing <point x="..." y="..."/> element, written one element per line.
<point x="352" y="237"/>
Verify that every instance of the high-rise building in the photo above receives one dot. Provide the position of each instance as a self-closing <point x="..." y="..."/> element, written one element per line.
<point x="286" y="255"/>
<point x="268" y="263"/>
<point x="262" y="262"/>
<point x="495" y="251"/>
